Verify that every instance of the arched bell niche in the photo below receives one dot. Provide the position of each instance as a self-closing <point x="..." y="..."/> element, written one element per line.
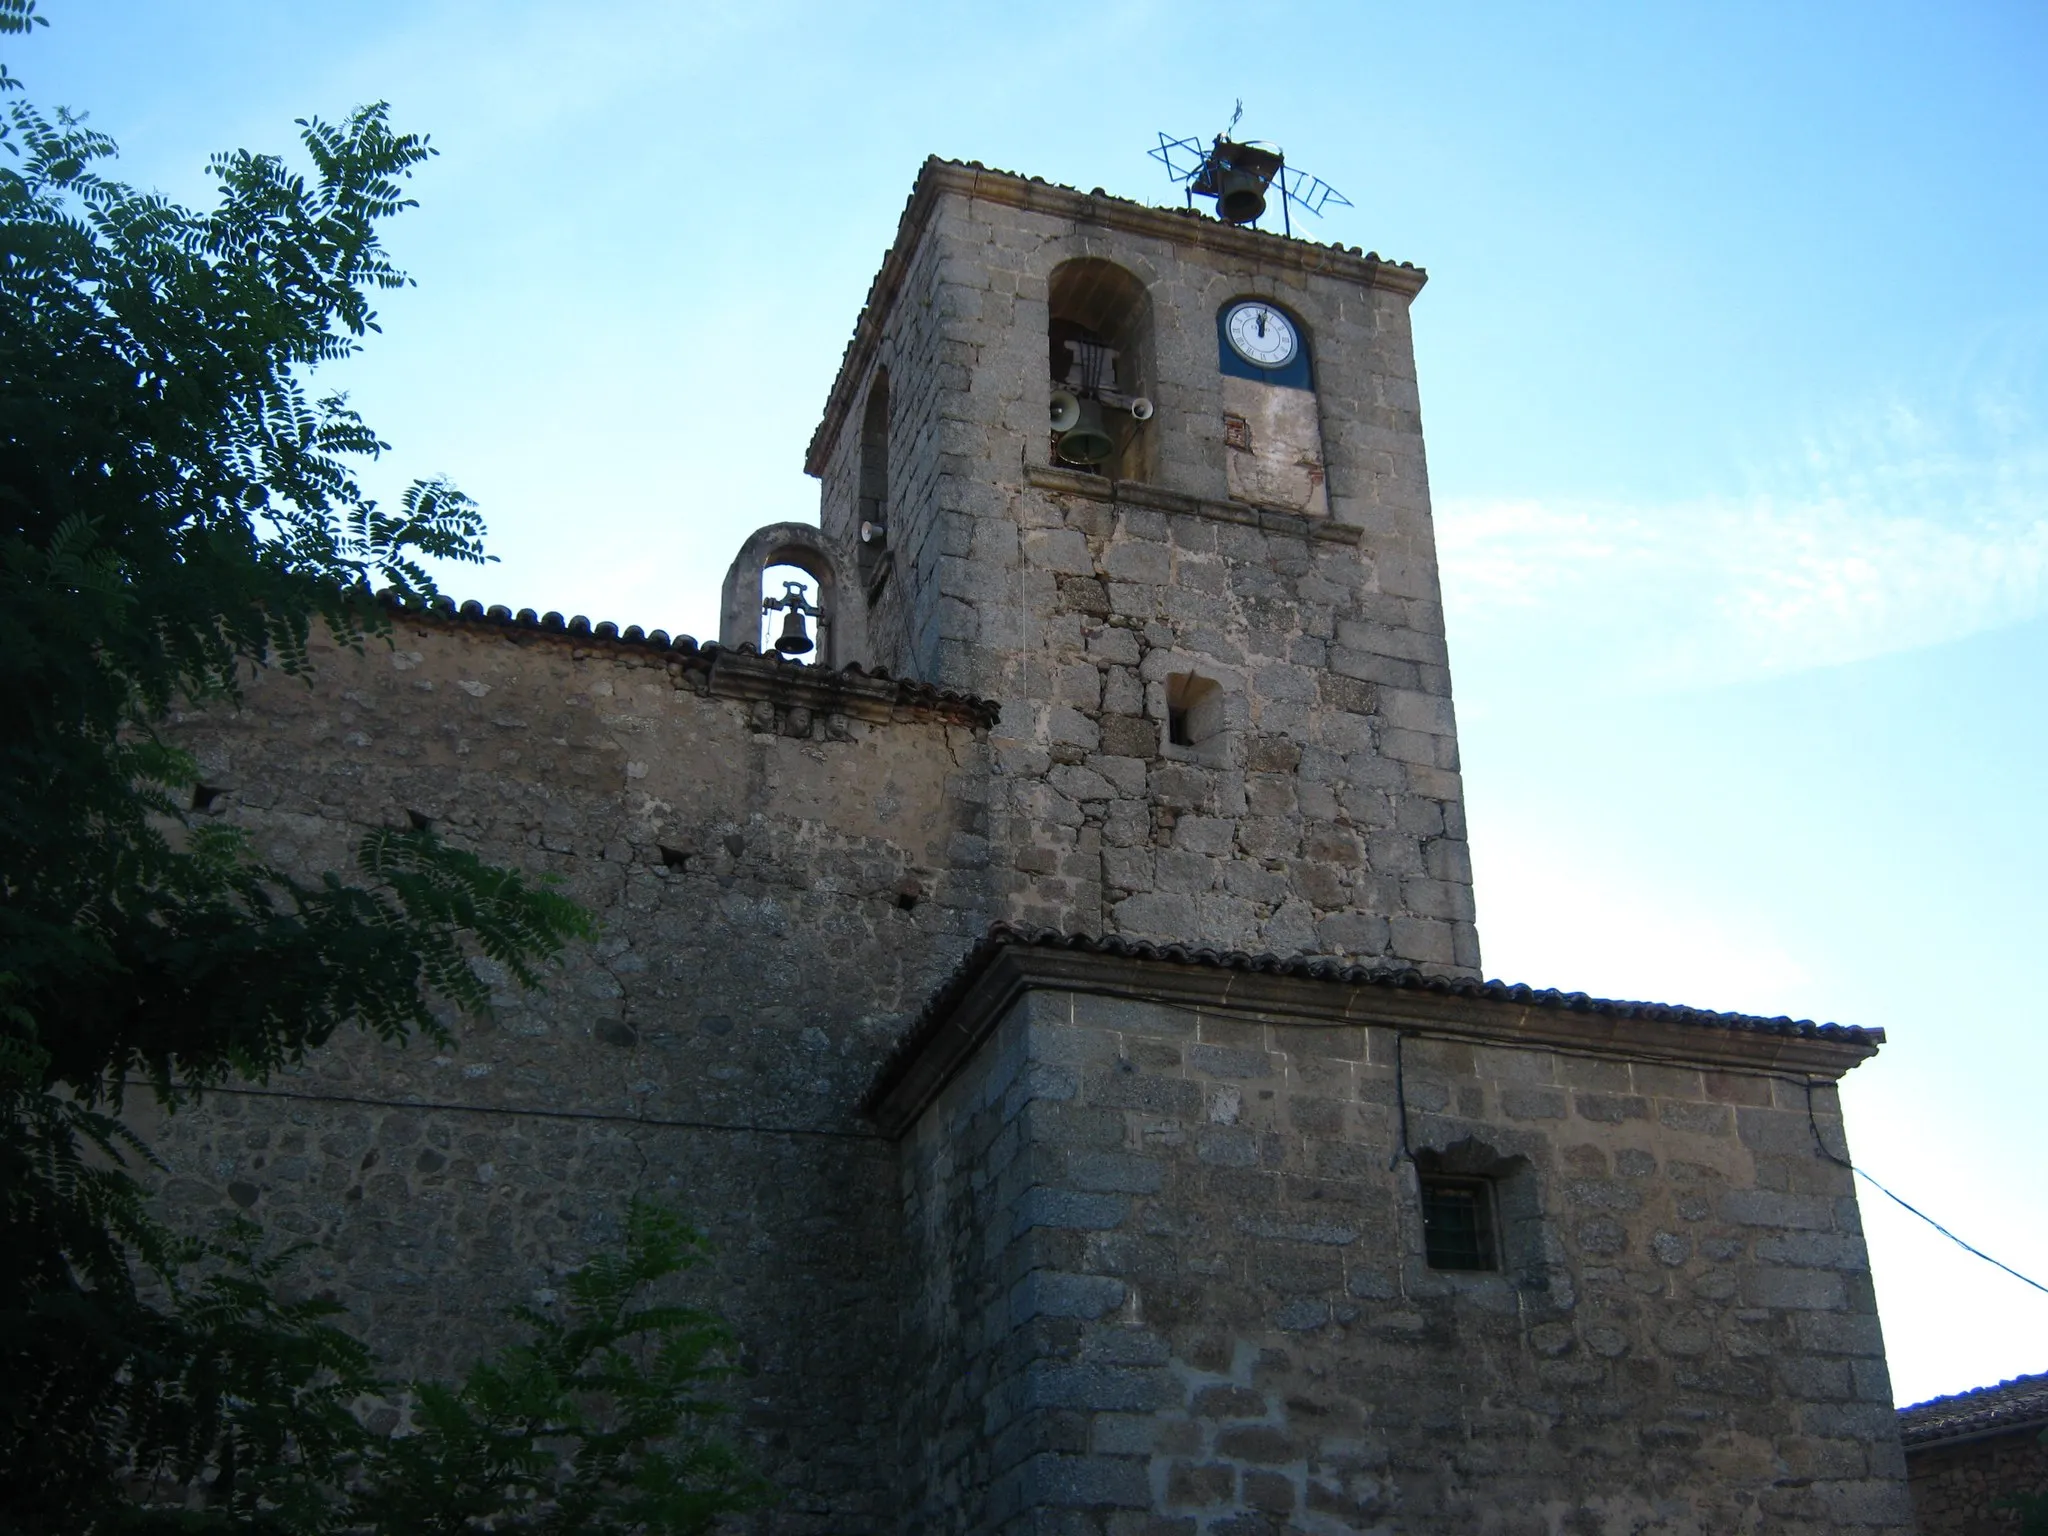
<point x="1099" y="346"/>
<point x="838" y="632"/>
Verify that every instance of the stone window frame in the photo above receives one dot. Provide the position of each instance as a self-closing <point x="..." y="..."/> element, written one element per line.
<point x="1522" y="1258"/>
<point x="1226" y="712"/>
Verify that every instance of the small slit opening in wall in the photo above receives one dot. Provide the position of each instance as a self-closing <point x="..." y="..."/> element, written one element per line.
<point x="1194" y="709"/>
<point x="419" y="822"/>
<point x="673" y="858"/>
<point x="203" y="796"/>
<point x="908" y="894"/>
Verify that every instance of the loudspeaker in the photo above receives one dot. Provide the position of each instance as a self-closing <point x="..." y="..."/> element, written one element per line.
<point x="1066" y="410"/>
<point x="1141" y="409"/>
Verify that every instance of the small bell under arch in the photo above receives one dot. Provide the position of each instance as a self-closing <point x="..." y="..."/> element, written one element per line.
<point x="795" y="639"/>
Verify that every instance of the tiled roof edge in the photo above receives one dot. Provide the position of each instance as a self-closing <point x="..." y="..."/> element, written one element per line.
<point x="1325" y="968"/>
<point x="740" y="671"/>
<point x="2009" y="1406"/>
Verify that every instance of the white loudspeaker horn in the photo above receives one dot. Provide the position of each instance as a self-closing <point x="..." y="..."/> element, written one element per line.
<point x="1141" y="409"/>
<point x="1066" y="410"/>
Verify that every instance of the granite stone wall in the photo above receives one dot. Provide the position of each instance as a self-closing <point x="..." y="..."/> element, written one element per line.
<point x="1327" y="817"/>
<point x="1141" y="1269"/>
<point x="1172" y="1282"/>
<point x="1958" y="1489"/>
<point x="778" y="877"/>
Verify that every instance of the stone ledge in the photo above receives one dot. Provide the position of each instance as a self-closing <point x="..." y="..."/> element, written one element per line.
<point x="727" y="672"/>
<point x="1136" y="493"/>
<point x="1327" y="992"/>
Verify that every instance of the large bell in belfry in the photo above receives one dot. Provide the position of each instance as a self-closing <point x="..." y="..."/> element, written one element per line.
<point x="1087" y="441"/>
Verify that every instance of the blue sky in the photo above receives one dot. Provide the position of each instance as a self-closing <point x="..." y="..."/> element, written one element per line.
<point x="1734" y="366"/>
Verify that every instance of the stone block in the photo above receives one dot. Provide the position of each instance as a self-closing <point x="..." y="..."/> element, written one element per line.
<point x="1046" y="1294"/>
<point x="1611" y="1108"/>
<point x="1526" y="1103"/>
<point x="1258" y="1445"/>
<point x="1114" y="1173"/>
<point x="1205" y="1486"/>
<point x="1131" y="736"/>
<point x="1737" y="1088"/>
<point x="1416" y="711"/>
<point x="1156" y="916"/>
<point x="1094" y="1482"/>
<point x="1063" y="551"/>
<point x="1770" y="1285"/>
<point x="1139" y="561"/>
<point x="1695" y="1118"/>
<point x="1421" y="941"/>
<point x="1141" y="1091"/>
<point x="1776" y="1130"/>
<point x="1043" y="1207"/>
<point x="1229" y="1062"/>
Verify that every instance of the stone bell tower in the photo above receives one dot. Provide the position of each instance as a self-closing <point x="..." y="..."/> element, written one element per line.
<point x="1208" y="608"/>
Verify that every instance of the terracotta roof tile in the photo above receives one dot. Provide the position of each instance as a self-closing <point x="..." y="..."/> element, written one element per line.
<point x="914" y="697"/>
<point x="2021" y="1403"/>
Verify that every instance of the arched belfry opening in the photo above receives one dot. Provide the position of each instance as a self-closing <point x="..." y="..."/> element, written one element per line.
<point x="768" y="563"/>
<point x="1099" y="355"/>
<point x="871" y="520"/>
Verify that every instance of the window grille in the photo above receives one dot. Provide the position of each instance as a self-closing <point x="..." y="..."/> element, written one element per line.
<point x="1457" y="1224"/>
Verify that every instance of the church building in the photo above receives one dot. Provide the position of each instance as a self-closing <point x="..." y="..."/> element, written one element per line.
<point x="1060" y="1001"/>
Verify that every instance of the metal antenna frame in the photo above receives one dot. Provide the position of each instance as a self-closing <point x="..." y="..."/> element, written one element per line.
<point x="1310" y="193"/>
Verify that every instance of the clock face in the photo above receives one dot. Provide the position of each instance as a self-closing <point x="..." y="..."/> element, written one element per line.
<point x="1260" y="334"/>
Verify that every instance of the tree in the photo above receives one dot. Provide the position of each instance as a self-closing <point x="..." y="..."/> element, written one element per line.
<point x="594" y="1427"/>
<point x="176" y="506"/>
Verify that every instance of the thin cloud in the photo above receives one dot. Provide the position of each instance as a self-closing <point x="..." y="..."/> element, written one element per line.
<point x="1883" y="536"/>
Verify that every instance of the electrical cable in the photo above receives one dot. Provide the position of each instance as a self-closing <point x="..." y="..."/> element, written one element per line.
<point x="1813" y="1120"/>
<point x="1400" y="1103"/>
<point x="1401" y="1150"/>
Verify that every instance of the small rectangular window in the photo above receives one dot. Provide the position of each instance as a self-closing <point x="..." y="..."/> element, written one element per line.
<point x="1194" y="710"/>
<point x="1457" y="1223"/>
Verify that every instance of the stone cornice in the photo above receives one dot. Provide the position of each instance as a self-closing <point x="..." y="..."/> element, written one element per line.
<point x="1183" y="226"/>
<point x="733" y="673"/>
<point x="1327" y="993"/>
<point x="1136" y="493"/>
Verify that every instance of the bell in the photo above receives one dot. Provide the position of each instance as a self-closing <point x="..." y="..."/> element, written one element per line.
<point x="1086" y="442"/>
<point x="1240" y="196"/>
<point x="794" y="639"/>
